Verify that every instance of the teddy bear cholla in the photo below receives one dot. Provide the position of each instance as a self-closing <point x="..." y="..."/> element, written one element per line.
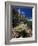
<point x="15" y="34"/>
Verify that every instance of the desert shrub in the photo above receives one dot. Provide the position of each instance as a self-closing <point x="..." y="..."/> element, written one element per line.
<point x="29" y="24"/>
<point x="25" y="21"/>
<point x="23" y="34"/>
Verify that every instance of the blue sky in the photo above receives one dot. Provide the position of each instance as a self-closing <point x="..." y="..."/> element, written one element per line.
<point x="26" y="11"/>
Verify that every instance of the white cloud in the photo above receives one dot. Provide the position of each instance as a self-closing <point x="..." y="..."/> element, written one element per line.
<point x="19" y="10"/>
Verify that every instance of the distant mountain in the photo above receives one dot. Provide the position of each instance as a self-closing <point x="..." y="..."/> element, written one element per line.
<point x="29" y="19"/>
